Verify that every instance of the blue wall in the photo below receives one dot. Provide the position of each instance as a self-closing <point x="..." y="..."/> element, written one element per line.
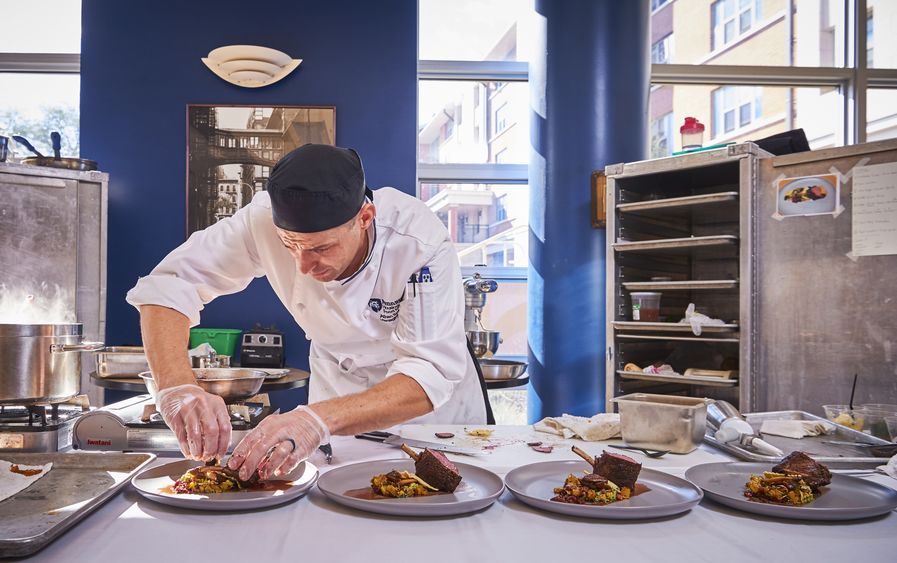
<point x="140" y="67"/>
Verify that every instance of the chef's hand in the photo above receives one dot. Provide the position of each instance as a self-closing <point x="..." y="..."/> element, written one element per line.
<point x="290" y="437"/>
<point x="200" y="421"/>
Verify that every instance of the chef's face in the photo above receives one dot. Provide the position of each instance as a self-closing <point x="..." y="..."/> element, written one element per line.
<point x="333" y="254"/>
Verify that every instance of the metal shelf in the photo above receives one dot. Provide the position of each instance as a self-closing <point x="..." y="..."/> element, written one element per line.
<point x="676" y="338"/>
<point x="680" y="285"/>
<point x="678" y="203"/>
<point x="683" y="379"/>
<point x="671" y="327"/>
<point x="676" y="244"/>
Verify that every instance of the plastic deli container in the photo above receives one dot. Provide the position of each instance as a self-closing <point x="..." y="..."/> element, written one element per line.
<point x="645" y="306"/>
<point x="223" y="340"/>
<point x="663" y="422"/>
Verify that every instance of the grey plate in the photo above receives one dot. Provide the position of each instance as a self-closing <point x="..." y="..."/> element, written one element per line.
<point x="478" y="489"/>
<point x="846" y="498"/>
<point x="534" y="485"/>
<point x="150" y="482"/>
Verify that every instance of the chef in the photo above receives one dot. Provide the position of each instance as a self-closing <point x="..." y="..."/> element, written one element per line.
<point x="371" y="277"/>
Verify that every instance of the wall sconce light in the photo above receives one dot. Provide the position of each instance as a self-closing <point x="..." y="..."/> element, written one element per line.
<point x="250" y="66"/>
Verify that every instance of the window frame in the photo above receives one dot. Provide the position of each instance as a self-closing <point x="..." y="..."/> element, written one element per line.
<point x="852" y="82"/>
<point x="463" y="173"/>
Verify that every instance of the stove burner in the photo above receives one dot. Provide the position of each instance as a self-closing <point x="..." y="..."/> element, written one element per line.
<point x="38" y="416"/>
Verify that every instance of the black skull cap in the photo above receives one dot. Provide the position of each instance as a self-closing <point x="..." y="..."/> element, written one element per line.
<point x="316" y="187"/>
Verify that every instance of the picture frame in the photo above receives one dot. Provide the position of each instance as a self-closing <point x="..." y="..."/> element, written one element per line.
<point x="232" y="148"/>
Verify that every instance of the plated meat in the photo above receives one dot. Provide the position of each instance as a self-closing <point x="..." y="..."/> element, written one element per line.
<point x="620" y="469"/>
<point x="436" y="469"/>
<point x="589" y="489"/>
<point x="795" y="481"/>
<point x="814" y="474"/>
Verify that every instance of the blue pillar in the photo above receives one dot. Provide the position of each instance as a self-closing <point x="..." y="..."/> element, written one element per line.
<point x="589" y="105"/>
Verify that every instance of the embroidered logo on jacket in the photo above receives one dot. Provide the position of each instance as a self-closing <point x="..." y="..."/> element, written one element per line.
<point x="389" y="310"/>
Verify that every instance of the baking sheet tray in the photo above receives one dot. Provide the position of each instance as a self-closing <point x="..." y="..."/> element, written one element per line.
<point x="830" y="454"/>
<point x="77" y="484"/>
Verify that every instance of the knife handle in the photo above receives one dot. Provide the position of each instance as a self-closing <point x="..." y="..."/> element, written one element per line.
<point x="371" y="437"/>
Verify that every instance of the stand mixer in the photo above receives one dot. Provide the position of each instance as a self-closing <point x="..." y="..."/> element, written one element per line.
<point x="485" y="342"/>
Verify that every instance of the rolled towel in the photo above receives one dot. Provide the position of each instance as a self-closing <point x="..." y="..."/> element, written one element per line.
<point x="796" y="428"/>
<point x="602" y="426"/>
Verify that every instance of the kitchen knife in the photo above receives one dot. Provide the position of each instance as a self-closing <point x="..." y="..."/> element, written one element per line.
<point x="396" y="440"/>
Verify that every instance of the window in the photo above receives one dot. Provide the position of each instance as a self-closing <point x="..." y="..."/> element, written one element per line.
<point x="734" y="107"/>
<point x="661" y="50"/>
<point x="471" y="59"/>
<point x="731" y="19"/>
<point x="40" y="44"/>
<point x="662" y="136"/>
<point x="655" y="4"/>
<point x="822" y="92"/>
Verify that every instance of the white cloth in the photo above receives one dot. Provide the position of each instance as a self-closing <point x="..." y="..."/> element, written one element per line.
<point x="698" y="320"/>
<point x="601" y="426"/>
<point x="890" y="468"/>
<point x="796" y="428"/>
<point x="363" y="329"/>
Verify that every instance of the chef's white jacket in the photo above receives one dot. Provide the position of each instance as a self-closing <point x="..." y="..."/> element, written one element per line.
<point x="362" y="329"/>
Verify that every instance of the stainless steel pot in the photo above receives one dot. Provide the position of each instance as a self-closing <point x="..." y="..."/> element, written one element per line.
<point x="41" y="362"/>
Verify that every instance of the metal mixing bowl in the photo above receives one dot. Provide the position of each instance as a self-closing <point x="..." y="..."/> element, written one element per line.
<point x="231" y="384"/>
<point x="502" y="369"/>
<point x="484" y="342"/>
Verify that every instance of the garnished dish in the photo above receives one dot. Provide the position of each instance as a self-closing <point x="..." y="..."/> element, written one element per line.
<point x="805" y="193"/>
<point x="433" y="474"/>
<point x="794" y="482"/>
<point x="212" y="478"/>
<point x="612" y="479"/>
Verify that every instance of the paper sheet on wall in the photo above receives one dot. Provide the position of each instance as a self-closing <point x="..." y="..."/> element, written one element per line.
<point x="875" y="210"/>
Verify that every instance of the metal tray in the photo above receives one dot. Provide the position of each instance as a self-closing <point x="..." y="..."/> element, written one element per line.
<point x="829" y="454"/>
<point x="681" y="379"/>
<point x="121" y="361"/>
<point x="675" y="244"/>
<point x="686" y="285"/>
<point x="671" y="327"/>
<point x="77" y="484"/>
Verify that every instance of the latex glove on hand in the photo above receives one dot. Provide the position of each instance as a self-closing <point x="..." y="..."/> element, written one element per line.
<point x="290" y="438"/>
<point x="200" y="420"/>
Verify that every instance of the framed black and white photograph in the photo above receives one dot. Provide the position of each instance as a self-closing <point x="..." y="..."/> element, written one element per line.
<point x="231" y="149"/>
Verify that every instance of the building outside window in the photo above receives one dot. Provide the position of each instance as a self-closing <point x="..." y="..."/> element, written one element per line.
<point x="734" y="107"/>
<point x="662" y="135"/>
<point x="661" y="51"/>
<point x="476" y="181"/>
<point x="731" y="19"/>
<point x="728" y="61"/>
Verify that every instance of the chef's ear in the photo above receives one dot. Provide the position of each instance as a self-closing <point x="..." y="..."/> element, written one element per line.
<point x="367" y="214"/>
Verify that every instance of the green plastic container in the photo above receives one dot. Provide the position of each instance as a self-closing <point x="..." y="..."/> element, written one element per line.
<point x="223" y="340"/>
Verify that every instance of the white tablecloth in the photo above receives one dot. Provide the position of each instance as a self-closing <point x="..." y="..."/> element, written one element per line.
<point x="312" y="529"/>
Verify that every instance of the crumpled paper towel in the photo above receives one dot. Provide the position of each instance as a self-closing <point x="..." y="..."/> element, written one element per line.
<point x="891" y="468"/>
<point x="796" y="428"/>
<point x="601" y="426"/>
<point x="697" y="320"/>
<point x="204" y="349"/>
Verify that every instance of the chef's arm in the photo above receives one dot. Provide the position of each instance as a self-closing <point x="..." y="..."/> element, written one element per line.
<point x="165" y="336"/>
<point x="394" y="400"/>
